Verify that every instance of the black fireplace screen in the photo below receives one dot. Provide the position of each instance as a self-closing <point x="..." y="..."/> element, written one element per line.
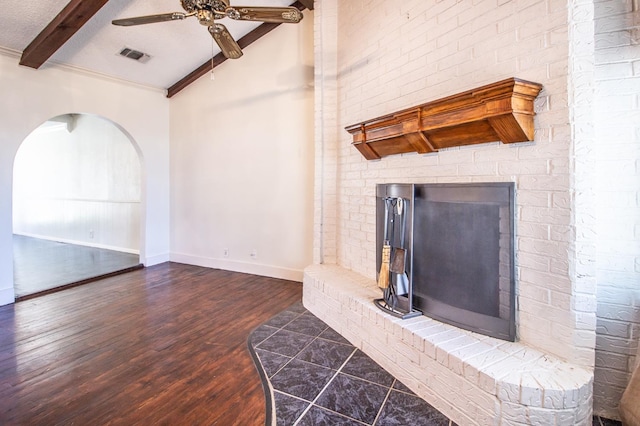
<point x="462" y="255"/>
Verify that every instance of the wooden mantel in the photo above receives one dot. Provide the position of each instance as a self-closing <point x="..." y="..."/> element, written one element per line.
<point x="501" y="111"/>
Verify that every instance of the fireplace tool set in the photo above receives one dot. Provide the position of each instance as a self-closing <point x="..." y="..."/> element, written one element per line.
<point x="393" y="276"/>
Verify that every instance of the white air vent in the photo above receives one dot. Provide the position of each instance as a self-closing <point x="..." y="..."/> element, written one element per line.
<point x="136" y="55"/>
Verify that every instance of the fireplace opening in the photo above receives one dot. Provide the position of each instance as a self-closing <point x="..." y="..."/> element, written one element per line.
<point x="460" y="245"/>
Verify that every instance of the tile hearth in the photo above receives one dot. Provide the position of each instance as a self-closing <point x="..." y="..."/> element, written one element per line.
<point x="318" y="378"/>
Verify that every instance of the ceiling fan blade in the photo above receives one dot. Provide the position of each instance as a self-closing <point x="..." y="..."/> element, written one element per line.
<point x="228" y="45"/>
<point x="274" y="15"/>
<point x="150" y="19"/>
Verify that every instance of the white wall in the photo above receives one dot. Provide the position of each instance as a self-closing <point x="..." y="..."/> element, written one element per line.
<point x="78" y="181"/>
<point x="242" y="160"/>
<point x="618" y="199"/>
<point x="577" y="184"/>
<point x="30" y="97"/>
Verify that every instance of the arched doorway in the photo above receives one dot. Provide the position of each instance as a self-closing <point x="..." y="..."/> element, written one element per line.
<point x="76" y="204"/>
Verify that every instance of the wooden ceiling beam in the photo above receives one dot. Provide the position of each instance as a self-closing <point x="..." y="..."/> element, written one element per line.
<point x="74" y="15"/>
<point x="307" y="3"/>
<point x="243" y="42"/>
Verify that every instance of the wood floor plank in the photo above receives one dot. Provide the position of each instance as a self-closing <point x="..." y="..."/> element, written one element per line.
<point x="162" y="345"/>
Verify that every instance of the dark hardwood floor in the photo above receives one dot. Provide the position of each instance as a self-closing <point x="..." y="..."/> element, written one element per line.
<point x="162" y="345"/>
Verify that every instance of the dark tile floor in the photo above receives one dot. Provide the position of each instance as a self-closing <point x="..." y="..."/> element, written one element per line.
<point x="319" y="378"/>
<point x="601" y="421"/>
<point x="41" y="265"/>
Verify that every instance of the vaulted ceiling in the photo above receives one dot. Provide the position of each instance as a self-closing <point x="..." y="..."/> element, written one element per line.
<point x="79" y="33"/>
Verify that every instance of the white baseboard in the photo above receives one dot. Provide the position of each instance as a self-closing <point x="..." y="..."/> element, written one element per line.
<point x="79" y="243"/>
<point x="156" y="259"/>
<point x="7" y="296"/>
<point x="236" y="266"/>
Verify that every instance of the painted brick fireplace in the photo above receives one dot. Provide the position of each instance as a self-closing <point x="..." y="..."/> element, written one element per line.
<point x="471" y="378"/>
<point x="399" y="55"/>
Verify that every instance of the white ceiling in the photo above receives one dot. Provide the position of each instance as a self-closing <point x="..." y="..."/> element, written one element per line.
<point x="176" y="48"/>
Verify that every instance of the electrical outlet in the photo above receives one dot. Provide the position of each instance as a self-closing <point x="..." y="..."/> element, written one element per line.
<point x="91" y="233"/>
<point x="225" y="252"/>
<point x="254" y="254"/>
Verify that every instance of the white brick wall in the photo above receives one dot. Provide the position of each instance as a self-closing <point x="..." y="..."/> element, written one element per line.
<point x="403" y="53"/>
<point x="578" y="195"/>
<point x="617" y="130"/>
<point x="582" y="254"/>
<point x="326" y="132"/>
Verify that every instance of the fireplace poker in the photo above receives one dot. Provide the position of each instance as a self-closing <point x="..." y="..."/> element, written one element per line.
<point x="390" y="293"/>
<point x="383" y="275"/>
<point x="399" y="262"/>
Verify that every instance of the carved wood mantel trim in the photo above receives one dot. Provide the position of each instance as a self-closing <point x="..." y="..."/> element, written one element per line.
<point x="502" y="111"/>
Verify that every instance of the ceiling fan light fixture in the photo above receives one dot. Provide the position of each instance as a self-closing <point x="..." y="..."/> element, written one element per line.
<point x="205" y="17"/>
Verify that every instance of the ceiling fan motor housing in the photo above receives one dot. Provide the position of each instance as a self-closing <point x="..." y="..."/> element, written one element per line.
<point x="216" y="6"/>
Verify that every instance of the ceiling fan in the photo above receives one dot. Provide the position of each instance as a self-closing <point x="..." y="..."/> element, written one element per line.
<point x="209" y="11"/>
